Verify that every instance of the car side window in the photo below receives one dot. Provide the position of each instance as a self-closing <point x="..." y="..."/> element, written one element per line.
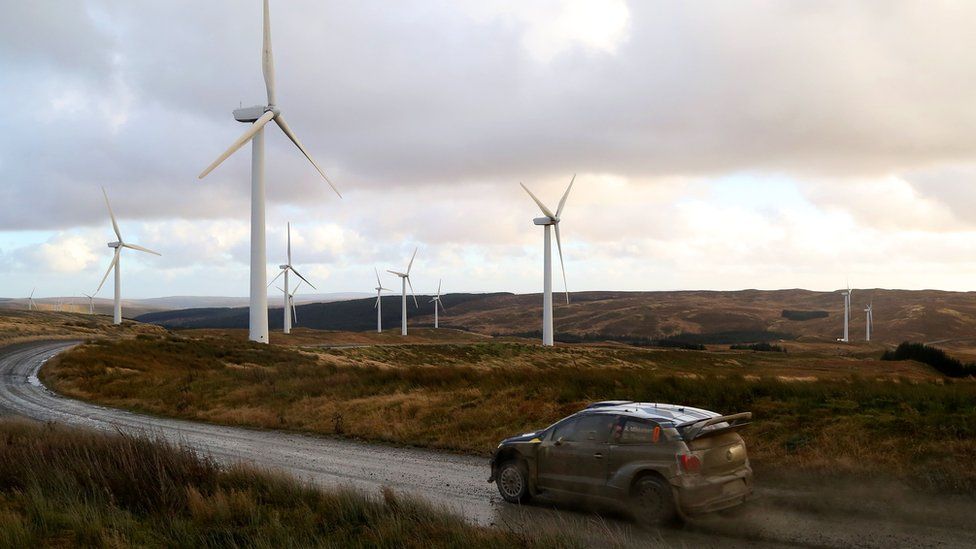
<point x="636" y="431"/>
<point x="589" y="428"/>
<point x="565" y="430"/>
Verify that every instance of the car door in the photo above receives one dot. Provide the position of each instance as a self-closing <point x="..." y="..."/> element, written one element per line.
<point x="573" y="457"/>
<point x="637" y="441"/>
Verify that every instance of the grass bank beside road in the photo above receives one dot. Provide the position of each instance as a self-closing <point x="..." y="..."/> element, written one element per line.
<point x="66" y="488"/>
<point x="812" y="413"/>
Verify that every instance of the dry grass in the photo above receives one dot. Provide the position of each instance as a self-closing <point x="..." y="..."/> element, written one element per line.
<point x="25" y="326"/>
<point x="73" y="488"/>
<point x="812" y="412"/>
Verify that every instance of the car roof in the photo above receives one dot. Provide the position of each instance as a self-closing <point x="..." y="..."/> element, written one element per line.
<point x="657" y="411"/>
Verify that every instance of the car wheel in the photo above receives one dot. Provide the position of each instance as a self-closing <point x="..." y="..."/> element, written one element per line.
<point x="513" y="482"/>
<point x="654" y="501"/>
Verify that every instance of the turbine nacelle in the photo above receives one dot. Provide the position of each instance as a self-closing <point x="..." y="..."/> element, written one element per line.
<point x="545" y="221"/>
<point x="115" y="244"/>
<point x="248" y="115"/>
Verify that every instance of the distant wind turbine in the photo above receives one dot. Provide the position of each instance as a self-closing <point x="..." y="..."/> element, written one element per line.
<point x="379" y="302"/>
<point x="30" y="301"/>
<point x="847" y="313"/>
<point x="258" y="116"/>
<point x="869" y="320"/>
<point x="436" y="300"/>
<point x="404" y="281"/>
<point x="291" y="301"/>
<point x="118" y="245"/>
<point x="550" y="220"/>
<point x="286" y="296"/>
<point x="91" y="303"/>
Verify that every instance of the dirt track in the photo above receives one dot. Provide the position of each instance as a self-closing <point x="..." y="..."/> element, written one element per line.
<point x="865" y="517"/>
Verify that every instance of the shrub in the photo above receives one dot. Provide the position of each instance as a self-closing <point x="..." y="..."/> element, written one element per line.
<point x="934" y="357"/>
<point x="803" y="315"/>
<point x="760" y="347"/>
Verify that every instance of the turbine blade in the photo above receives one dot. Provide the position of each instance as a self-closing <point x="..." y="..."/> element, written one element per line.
<point x="559" y="245"/>
<point x="299" y="275"/>
<point x="562" y="201"/>
<point x="396" y="273"/>
<point x="294" y="310"/>
<point x="542" y="206"/>
<point x="267" y="59"/>
<point x="115" y="225"/>
<point x="32" y="292"/>
<point x="409" y="265"/>
<point x="277" y="276"/>
<point x="280" y="289"/>
<point x="415" y="304"/>
<point x="289" y="225"/>
<point x="115" y="260"/>
<point x="441" y="303"/>
<point x="244" y="138"/>
<point x="439" y="286"/>
<point x="378" y="283"/>
<point x="294" y="139"/>
<point x="297" y="286"/>
<point x="377" y="302"/>
<point x="141" y="249"/>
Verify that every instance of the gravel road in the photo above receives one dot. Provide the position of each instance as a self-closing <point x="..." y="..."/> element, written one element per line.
<point x="778" y="518"/>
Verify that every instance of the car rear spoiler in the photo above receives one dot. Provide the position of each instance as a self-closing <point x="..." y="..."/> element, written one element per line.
<point x="690" y="430"/>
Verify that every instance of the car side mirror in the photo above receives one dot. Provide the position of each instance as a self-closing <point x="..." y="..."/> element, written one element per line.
<point x="559" y="441"/>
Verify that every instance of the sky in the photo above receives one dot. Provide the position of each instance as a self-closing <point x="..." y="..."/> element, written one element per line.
<point x="716" y="145"/>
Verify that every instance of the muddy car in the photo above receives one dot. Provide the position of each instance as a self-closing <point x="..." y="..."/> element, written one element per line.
<point x="662" y="461"/>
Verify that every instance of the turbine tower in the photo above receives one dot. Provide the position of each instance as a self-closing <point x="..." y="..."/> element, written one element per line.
<point x="91" y="303"/>
<point x="30" y="301"/>
<point x="286" y="296"/>
<point x="404" y="281"/>
<point x="436" y="300"/>
<point x="847" y="313"/>
<point x="550" y="220"/>
<point x="869" y="319"/>
<point x="258" y="116"/>
<point x="117" y="245"/>
<point x="379" y="302"/>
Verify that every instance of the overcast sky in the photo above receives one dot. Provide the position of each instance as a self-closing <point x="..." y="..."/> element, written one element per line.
<point x="716" y="145"/>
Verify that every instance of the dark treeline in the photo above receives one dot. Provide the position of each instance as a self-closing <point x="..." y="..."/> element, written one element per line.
<point x="934" y="357"/>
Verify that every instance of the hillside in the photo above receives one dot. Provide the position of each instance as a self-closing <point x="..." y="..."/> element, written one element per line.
<point x="699" y="316"/>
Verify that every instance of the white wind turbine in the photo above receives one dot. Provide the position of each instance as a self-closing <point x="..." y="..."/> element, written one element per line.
<point x="869" y="310"/>
<point x="404" y="281"/>
<point x="30" y="301"/>
<point x="550" y="220"/>
<point x="91" y="303"/>
<point x="379" y="302"/>
<point x="436" y="300"/>
<point x="118" y="245"/>
<point x="258" y="116"/>
<point x="847" y="313"/>
<point x="291" y="301"/>
<point x="286" y="296"/>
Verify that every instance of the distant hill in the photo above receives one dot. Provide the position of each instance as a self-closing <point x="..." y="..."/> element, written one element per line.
<point x="349" y="315"/>
<point x="695" y="316"/>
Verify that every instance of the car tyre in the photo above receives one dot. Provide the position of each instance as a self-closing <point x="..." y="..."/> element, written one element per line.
<point x="513" y="481"/>
<point x="654" y="501"/>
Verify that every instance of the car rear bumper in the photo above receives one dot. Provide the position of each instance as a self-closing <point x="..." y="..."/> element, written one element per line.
<point x="698" y="494"/>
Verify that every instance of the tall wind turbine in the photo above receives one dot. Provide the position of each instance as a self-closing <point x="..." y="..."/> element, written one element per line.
<point x="118" y="245"/>
<point x="379" y="302"/>
<point x="30" y="301"/>
<point x="91" y="303"/>
<point x="550" y="220"/>
<point x="436" y="300"/>
<point x="847" y="313"/>
<point x="284" y="270"/>
<point x="869" y="320"/>
<point x="258" y="116"/>
<point x="404" y="280"/>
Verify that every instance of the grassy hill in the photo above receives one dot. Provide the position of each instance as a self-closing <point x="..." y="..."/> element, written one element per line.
<point x="699" y="316"/>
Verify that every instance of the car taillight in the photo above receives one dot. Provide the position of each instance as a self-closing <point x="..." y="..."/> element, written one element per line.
<point x="690" y="463"/>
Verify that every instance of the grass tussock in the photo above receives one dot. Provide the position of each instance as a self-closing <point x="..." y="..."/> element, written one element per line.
<point x="467" y="397"/>
<point x="75" y="488"/>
